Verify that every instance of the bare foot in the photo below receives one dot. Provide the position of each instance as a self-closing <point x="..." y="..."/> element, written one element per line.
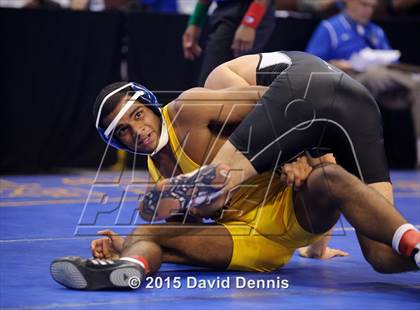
<point x="186" y="192"/>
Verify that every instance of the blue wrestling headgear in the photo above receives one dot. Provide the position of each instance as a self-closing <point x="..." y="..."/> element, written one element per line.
<point x="145" y="96"/>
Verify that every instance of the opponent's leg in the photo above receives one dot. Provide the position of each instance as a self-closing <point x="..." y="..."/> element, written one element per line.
<point x="388" y="261"/>
<point x="223" y="77"/>
<point x="382" y="257"/>
<point x="331" y="190"/>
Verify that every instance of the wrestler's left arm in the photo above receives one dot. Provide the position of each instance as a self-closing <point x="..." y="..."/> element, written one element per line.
<point x="108" y="247"/>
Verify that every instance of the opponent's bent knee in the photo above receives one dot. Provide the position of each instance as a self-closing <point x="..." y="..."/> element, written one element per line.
<point x="329" y="171"/>
<point x="326" y="178"/>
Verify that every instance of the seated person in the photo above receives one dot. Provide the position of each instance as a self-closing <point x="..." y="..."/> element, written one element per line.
<point x="336" y="39"/>
<point x="317" y="8"/>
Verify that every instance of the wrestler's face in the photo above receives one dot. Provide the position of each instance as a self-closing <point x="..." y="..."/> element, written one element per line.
<point x="139" y="126"/>
<point x="361" y="10"/>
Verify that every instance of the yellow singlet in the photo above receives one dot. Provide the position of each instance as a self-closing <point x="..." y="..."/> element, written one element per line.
<point x="260" y="216"/>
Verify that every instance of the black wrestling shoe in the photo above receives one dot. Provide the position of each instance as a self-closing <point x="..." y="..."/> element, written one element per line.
<point x="96" y="274"/>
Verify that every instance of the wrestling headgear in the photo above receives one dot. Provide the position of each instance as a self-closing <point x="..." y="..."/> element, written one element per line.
<point x="145" y="96"/>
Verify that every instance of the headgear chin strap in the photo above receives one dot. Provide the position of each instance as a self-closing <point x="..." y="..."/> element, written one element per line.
<point x="163" y="139"/>
<point x="146" y="97"/>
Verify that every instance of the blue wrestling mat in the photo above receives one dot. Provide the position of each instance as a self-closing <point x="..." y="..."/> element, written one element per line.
<point x="45" y="217"/>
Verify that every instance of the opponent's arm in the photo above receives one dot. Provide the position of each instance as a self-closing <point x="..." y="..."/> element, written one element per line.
<point x="203" y="106"/>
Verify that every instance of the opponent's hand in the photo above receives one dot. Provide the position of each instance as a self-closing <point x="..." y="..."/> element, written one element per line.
<point x="296" y="173"/>
<point x="190" y="42"/>
<point x="324" y="159"/>
<point x="327" y="253"/>
<point x="243" y="40"/>
<point x="109" y="247"/>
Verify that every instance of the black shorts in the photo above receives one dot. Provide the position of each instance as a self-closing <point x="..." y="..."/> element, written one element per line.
<point x="312" y="106"/>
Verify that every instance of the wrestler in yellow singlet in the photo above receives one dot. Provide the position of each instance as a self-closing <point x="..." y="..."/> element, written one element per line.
<point x="260" y="216"/>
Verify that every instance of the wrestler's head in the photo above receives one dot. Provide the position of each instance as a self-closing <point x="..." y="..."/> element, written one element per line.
<point x="361" y="10"/>
<point x="128" y="117"/>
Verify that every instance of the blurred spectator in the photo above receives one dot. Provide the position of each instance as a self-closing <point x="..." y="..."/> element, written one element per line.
<point x="30" y="4"/>
<point x="159" y="6"/>
<point x="185" y="6"/>
<point x="403" y="7"/>
<point x="315" y="7"/>
<point x="236" y="28"/>
<point x="79" y="5"/>
<point x="12" y="3"/>
<point x="99" y="5"/>
<point x="337" y="38"/>
<point x="340" y="37"/>
<point x="42" y="4"/>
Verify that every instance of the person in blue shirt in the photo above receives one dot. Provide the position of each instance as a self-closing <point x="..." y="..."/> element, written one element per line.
<point x="337" y="38"/>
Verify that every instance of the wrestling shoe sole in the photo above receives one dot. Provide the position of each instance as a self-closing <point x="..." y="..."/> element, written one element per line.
<point x="73" y="275"/>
